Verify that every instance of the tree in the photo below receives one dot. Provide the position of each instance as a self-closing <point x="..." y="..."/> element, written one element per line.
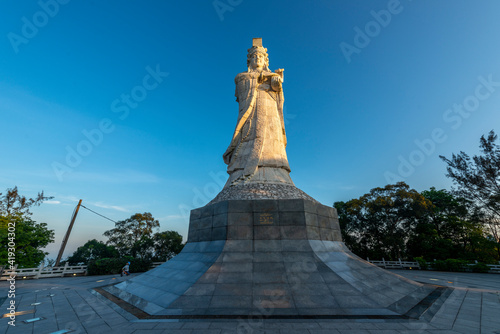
<point x="130" y="231"/>
<point x="477" y="179"/>
<point x="17" y="228"/>
<point x="451" y="230"/>
<point x="167" y="244"/>
<point x="92" y="249"/>
<point x="379" y="223"/>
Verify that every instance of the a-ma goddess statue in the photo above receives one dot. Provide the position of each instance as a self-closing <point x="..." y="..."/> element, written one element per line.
<point x="257" y="151"/>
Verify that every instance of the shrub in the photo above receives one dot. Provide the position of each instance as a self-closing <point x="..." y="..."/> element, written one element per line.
<point x="109" y="266"/>
<point x="422" y="263"/>
<point x="450" y="265"/>
<point x="480" y="268"/>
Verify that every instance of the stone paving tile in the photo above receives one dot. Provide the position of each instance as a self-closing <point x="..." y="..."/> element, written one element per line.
<point x="206" y="331"/>
<point x="466" y="330"/>
<point x="323" y="331"/>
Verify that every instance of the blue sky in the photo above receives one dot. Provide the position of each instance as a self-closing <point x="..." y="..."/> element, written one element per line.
<point x="374" y="91"/>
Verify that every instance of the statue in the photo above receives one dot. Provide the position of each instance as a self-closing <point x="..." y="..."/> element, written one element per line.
<point x="257" y="151"/>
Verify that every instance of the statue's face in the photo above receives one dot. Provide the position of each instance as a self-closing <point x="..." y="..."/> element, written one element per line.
<point x="257" y="61"/>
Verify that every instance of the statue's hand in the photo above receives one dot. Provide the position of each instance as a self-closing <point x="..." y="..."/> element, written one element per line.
<point x="280" y="71"/>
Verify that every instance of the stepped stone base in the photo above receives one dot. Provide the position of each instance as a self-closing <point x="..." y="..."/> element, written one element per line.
<point x="275" y="258"/>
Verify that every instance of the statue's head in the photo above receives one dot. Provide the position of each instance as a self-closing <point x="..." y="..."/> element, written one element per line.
<point x="257" y="59"/>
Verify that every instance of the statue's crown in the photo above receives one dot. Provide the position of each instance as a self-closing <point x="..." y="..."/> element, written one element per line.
<point x="257" y="48"/>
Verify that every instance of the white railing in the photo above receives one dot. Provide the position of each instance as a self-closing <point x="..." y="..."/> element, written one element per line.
<point x="494" y="268"/>
<point x="395" y="264"/>
<point x="43" y="272"/>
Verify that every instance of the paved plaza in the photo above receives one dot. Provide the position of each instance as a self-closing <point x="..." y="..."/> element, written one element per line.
<point x="70" y="303"/>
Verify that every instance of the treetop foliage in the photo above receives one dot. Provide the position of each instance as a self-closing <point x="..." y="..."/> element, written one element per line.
<point x="477" y="180"/>
<point x="12" y="202"/>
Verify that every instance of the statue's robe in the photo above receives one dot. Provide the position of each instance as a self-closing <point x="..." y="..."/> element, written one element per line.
<point x="257" y="151"/>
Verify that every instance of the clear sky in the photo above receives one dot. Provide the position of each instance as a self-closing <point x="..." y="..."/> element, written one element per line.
<point x="129" y="105"/>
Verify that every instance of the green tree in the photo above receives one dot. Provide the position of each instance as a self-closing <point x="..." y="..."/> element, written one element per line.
<point x="132" y="231"/>
<point x="28" y="236"/>
<point x="167" y="244"/>
<point x="91" y="250"/>
<point x="451" y="230"/>
<point x="379" y="223"/>
<point x="477" y="179"/>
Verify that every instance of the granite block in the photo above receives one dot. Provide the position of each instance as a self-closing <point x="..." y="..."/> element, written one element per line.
<point x="205" y="223"/>
<point x="265" y="206"/>
<point x="239" y="278"/>
<point x="219" y="220"/>
<point x="304" y="267"/>
<point x="293" y="232"/>
<point x="232" y="232"/>
<point x="310" y="289"/>
<point x="295" y="245"/>
<point x="266" y="232"/>
<point x="270" y="289"/>
<point x="337" y="235"/>
<point x="324" y="222"/>
<point x="237" y="257"/>
<point x="267" y="245"/>
<point x="326" y="234"/>
<point x="238" y="246"/>
<point x="310" y="206"/>
<point x="315" y="301"/>
<point x="193" y="236"/>
<point x="230" y="302"/>
<point x="236" y="267"/>
<point x="273" y="302"/>
<point x="267" y="257"/>
<point x="219" y="233"/>
<point x="233" y="289"/>
<point x="220" y="208"/>
<point x="292" y="218"/>
<point x="313" y="233"/>
<point x="195" y="214"/>
<point x="266" y="267"/>
<point x="208" y="278"/>
<point x="201" y="289"/>
<point x="185" y="302"/>
<point x="205" y="234"/>
<point x="311" y="219"/>
<point x="270" y="277"/>
<point x="295" y="205"/>
<point x="359" y="301"/>
<point x="326" y="211"/>
<point x="239" y="206"/>
<point x="207" y="211"/>
<point x="240" y="218"/>
<point x="244" y="233"/>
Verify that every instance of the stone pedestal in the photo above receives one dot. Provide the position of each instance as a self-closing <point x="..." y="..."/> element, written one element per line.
<point x="273" y="258"/>
<point x="285" y="219"/>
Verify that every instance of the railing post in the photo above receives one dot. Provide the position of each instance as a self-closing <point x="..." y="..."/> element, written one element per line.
<point x="383" y="262"/>
<point x="64" y="269"/>
<point x="39" y="272"/>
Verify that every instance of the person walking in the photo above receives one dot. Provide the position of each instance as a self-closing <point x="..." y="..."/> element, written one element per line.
<point x="126" y="269"/>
